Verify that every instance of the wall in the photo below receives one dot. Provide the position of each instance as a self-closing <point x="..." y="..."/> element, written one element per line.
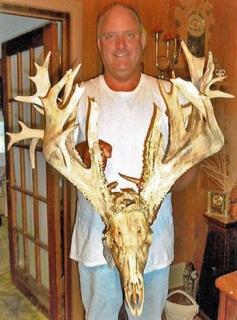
<point x="150" y="18"/>
<point x="189" y="205"/>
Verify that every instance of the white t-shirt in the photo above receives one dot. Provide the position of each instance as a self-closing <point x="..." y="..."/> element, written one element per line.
<point x="124" y="119"/>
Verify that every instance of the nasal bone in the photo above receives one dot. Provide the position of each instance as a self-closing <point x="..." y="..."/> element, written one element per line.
<point x="132" y="266"/>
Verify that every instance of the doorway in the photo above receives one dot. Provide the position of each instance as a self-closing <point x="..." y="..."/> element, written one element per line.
<point x="55" y="310"/>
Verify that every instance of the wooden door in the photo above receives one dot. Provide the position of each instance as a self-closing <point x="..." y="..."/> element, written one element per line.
<point x="34" y="196"/>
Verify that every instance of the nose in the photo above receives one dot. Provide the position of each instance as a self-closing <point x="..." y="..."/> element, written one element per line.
<point x="121" y="42"/>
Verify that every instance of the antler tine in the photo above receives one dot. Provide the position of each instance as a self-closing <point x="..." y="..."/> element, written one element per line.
<point x="42" y="82"/>
<point x="55" y="134"/>
<point x="39" y="109"/>
<point x="25" y="133"/>
<point x="33" y="144"/>
<point x="177" y="130"/>
<point x="191" y="93"/>
<point x="216" y="93"/>
<point x="207" y="80"/>
<point x="93" y="126"/>
<point x="69" y="83"/>
<point x="153" y="155"/>
<point x="196" y="65"/>
<point x="95" y="153"/>
<point x="50" y="101"/>
<point x="208" y="74"/>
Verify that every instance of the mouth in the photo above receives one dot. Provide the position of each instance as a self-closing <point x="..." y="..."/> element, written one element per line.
<point x="121" y="54"/>
<point x="134" y="293"/>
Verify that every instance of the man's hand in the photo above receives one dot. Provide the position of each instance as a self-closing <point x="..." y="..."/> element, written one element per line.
<point x="83" y="150"/>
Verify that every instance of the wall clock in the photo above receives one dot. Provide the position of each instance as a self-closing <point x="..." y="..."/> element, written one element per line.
<point x="196" y="25"/>
<point x="194" y="20"/>
<point x="196" y="34"/>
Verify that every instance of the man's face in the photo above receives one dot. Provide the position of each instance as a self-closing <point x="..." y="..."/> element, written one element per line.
<point x="121" y="43"/>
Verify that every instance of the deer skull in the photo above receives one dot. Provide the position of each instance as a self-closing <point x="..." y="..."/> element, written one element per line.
<point x="128" y="236"/>
<point x="128" y="215"/>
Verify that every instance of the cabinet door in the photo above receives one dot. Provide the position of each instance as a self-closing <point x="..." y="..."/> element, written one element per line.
<point x="231" y="250"/>
<point x="213" y="267"/>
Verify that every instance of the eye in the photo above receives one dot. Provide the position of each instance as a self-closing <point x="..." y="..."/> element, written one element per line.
<point x="130" y="35"/>
<point x="109" y="36"/>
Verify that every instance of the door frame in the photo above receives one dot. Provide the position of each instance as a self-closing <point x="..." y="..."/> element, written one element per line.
<point x="71" y="18"/>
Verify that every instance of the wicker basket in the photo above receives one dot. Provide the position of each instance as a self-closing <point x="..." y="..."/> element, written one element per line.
<point x="176" y="311"/>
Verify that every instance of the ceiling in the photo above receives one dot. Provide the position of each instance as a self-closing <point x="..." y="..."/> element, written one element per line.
<point x="12" y="26"/>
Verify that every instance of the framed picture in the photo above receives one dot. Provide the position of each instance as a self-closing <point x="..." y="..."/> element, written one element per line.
<point x="218" y="202"/>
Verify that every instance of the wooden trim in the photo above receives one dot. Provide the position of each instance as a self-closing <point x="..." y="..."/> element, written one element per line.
<point x="22" y="163"/>
<point x="53" y="10"/>
<point x="35" y="181"/>
<point x="22" y="281"/>
<point x="31" y="194"/>
<point x="70" y="15"/>
<point x="34" y="35"/>
<point x="67" y="241"/>
<point x="33" y="12"/>
<point x="54" y="238"/>
<point x="36" y="241"/>
<point x="9" y="155"/>
<point x="56" y="288"/>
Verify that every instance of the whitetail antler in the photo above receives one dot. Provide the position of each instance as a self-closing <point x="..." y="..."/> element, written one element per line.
<point x="58" y="145"/>
<point x="188" y="143"/>
<point x="128" y="214"/>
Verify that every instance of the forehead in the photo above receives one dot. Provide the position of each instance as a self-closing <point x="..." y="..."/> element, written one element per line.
<point x="118" y="18"/>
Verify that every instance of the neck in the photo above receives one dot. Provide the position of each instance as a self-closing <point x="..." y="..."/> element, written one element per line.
<point x="122" y="85"/>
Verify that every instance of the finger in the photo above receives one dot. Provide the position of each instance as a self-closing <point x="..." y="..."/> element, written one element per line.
<point x="106" y="148"/>
<point x="87" y="159"/>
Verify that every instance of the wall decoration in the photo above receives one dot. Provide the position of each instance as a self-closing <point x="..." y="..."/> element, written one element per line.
<point x="218" y="202"/>
<point x="196" y="34"/>
<point x="166" y="59"/>
<point x="220" y="170"/>
<point x="194" y="20"/>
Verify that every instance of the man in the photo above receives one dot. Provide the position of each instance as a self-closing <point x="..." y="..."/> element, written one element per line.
<point x="126" y="98"/>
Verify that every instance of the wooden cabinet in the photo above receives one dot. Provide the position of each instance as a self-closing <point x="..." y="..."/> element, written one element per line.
<point x="227" y="284"/>
<point x="220" y="257"/>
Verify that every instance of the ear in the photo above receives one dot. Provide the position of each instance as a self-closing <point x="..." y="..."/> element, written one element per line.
<point x="143" y="38"/>
<point x="99" y="44"/>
